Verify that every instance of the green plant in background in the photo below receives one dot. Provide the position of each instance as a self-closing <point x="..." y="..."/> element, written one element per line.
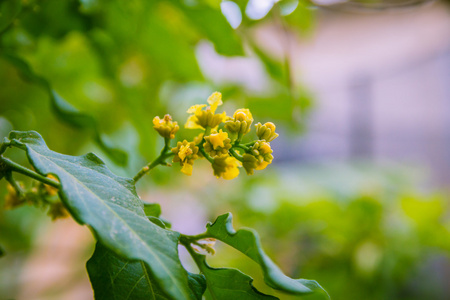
<point x="136" y="256"/>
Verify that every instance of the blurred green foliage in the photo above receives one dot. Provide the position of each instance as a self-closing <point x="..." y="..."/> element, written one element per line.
<point x="363" y="232"/>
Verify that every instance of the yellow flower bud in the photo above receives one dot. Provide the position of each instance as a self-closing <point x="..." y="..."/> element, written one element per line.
<point x="225" y="166"/>
<point x="240" y="123"/>
<point x="185" y="153"/>
<point x="259" y="158"/>
<point x="243" y="114"/>
<point x="249" y="163"/>
<point x="165" y="127"/>
<point x="266" y="132"/>
<point x="217" y="143"/>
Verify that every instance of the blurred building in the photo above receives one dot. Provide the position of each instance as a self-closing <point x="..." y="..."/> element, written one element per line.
<point x="380" y="80"/>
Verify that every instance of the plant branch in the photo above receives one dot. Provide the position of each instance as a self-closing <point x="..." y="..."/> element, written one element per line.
<point x="6" y="143"/>
<point x="12" y="166"/>
<point x="160" y="160"/>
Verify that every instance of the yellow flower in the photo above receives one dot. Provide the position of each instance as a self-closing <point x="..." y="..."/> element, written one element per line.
<point x="165" y="127"/>
<point x="217" y="143"/>
<point x="217" y="139"/>
<point x="12" y="199"/>
<point x="185" y="153"/>
<point x="266" y="132"/>
<point x="240" y="123"/>
<point x="57" y="211"/>
<point x="226" y="166"/>
<point x="202" y="118"/>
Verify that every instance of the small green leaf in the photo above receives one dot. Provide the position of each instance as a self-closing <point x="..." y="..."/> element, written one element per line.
<point x="116" y="278"/>
<point x="9" y="9"/>
<point x="2" y="252"/>
<point x="109" y="205"/>
<point x="153" y="212"/>
<point x="66" y="112"/>
<point x="156" y="221"/>
<point x="152" y="209"/>
<point x="247" y="242"/>
<point x="227" y="283"/>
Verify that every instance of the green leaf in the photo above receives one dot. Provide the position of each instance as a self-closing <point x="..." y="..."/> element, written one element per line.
<point x="224" y="283"/>
<point x="2" y="252"/>
<point x="117" y="278"/>
<point x="247" y="242"/>
<point x="153" y="212"/>
<point x="9" y="9"/>
<point x="113" y="277"/>
<point x="66" y="112"/>
<point x="109" y="205"/>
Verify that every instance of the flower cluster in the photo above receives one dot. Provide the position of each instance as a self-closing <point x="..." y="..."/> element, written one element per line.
<point x="39" y="195"/>
<point x="223" y="147"/>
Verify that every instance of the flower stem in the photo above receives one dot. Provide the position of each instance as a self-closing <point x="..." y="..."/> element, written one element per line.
<point x="206" y="155"/>
<point x="241" y="146"/>
<point x="236" y="155"/>
<point x="160" y="160"/>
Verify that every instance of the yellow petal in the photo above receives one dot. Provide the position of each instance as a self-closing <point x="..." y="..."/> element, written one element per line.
<point x="187" y="169"/>
<point x="216" y="139"/>
<point x="195" y="108"/>
<point x="262" y="165"/>
<point x="271" y="126"/>
<point x="215" y="100"/>
<point x="156" y="121"/>
<point x="192" y="123"/>
<point x="232" y="170"/>
<point x="184" y="151"/>
<point x="243" y="114"/>
<point x="265" y="147"/>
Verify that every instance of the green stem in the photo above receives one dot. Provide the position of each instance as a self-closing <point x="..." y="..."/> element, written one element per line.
<point x="160" y="160"/>
<point x="27" y="172"/>
<point x="250" y="144"/>
<point x="206" y="155"/>
<point x="207" y="131"/>
<point x="236" y="155"/>
<point x="241" y="146"/>
<point x="6" y="143"/>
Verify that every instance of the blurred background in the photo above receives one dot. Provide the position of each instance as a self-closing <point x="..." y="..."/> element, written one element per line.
<point x="357" y="197"/>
